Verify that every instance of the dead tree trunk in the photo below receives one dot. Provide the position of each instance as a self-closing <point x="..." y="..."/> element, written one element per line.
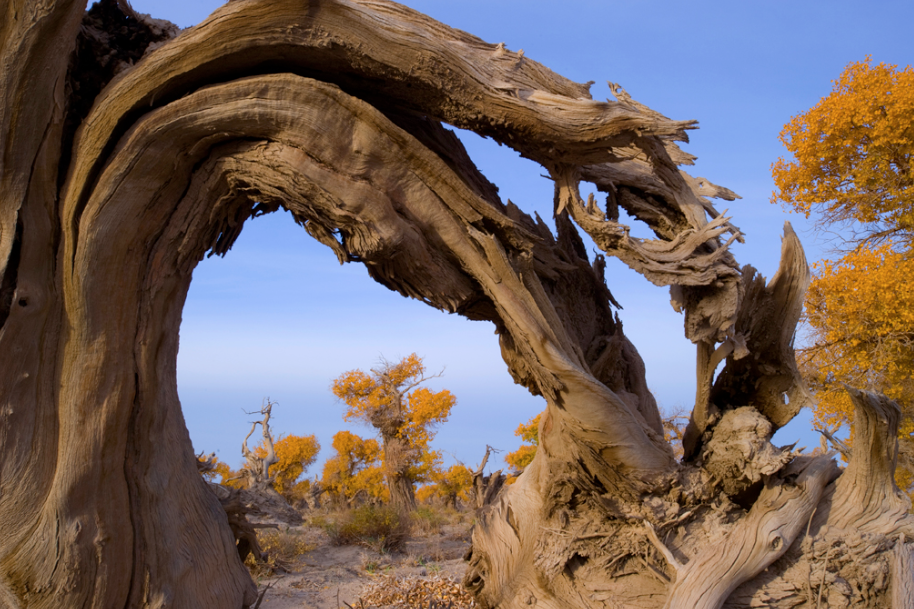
<point x="113" y="188"/>
<point x="257" y="471"/>
<point x="485" y="488"/>
<point x="256" y="474"/>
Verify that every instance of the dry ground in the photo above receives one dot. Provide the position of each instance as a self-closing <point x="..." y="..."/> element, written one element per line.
<point x="308" y="570"/>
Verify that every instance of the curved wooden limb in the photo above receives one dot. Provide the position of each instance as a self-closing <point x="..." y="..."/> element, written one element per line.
<point x="767" y="320"/>
<point x="390" y="55"/>
<point x="260" y="466"/>
<point x="682" y="260"/>
<point x="287" y="140"/>
<point x="781" y="512"/>
<point x="866" y="498"/>
<point x="635" y="186"/>
<point x="701" y="272"/>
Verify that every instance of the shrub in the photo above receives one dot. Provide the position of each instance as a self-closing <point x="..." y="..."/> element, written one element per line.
<point x="428" y="520"/>
<point x="286" y="545"/>
<point x="378" y="527"/>
<point x="281" y="549"/>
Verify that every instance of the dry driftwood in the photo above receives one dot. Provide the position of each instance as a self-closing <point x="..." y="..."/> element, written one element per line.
<point x="485" y="488"/>
<point x="333" y="109"/>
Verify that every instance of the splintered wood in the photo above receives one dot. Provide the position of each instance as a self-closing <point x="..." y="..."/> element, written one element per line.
<point x="114" y="187"/>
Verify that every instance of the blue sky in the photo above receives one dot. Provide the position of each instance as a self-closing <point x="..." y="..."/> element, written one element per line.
<point x="279" y="317"/>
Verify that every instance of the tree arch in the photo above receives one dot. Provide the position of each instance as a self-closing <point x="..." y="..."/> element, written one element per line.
<point x="333" y="110"/>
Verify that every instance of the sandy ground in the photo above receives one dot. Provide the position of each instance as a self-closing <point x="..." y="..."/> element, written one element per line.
<point x="332" y="577"/>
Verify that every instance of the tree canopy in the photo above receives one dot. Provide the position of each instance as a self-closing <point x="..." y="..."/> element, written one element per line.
<point x="355" y="467"/>
<point x="448" y="485"/>
<point x="391" y="399"/>
<point x="529" y="433"/>
<point x="853" y="154"/>
<point x="852" y="170"/>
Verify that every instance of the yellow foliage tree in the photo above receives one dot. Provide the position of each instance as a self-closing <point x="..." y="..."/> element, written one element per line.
<point x="448" y="485"/>
<point x="355" y="467"/>
<point x="221" y="470"/>
<point x="853" y="156"/>
<point x="294" y="455"/>
<point x="391" y="400"/>
<point x="529" y="433"/>
<point x="228" y="476"/>
<point x="853" y="168"/>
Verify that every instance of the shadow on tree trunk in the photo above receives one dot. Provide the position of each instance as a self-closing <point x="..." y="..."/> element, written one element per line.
<point x="336" y="115"/>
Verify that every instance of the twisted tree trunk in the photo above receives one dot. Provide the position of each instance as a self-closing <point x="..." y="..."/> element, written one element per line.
<point x="258" y="468"/>
<point x="112" y="188"/>
<point x="396" y="464"/>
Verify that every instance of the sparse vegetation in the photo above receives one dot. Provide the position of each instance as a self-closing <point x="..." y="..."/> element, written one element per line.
<point x="378" y="527"/>
<point x="281" y="548"/>
<point x="418" y="593"/>
<point x="428" y="520"/>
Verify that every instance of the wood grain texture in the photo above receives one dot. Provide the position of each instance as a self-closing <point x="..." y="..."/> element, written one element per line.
<point x="333" y="110"/>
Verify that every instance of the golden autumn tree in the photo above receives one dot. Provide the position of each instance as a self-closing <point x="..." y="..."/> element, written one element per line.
<point x="529" y="433"/>
<point x="391" y="399"/>
<point x="449" y="485"/>
<point x="852" y="170"/>
<point x="355" y="467"/>
<point x="215" y="468"/>
<point x="852" y="156"/>
<point x="294" y="455"/>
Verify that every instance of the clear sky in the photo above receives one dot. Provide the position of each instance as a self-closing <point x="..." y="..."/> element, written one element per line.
<point x="279" y="317"/>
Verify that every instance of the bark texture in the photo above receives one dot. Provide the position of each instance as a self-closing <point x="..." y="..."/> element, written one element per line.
<point x="333" y="110"/>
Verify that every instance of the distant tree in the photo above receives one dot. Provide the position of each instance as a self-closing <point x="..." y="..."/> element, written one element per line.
<point x="391" y="400"/>
<point x="426" y="494"/>
<point x="853" y="154"/>
<point x="228" y="476"/>
<point x="355" y="468"/>
<point x="853" y="169"/>
<point x="448" y="485"/>
<point x="210" y="467"/>
<point x="674" y="426"/>
<point x="529" y="433"/>
<point x="294" y="454"/>
<point x="256" y="470"/>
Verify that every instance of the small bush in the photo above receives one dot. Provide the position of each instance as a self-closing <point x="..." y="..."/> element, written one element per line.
<point x="285" y="545"/>
<point x="378" y="527"/>
<point x="281" y="548"/>
<point x="328" y="526"/>
<point x="428" y="520"/>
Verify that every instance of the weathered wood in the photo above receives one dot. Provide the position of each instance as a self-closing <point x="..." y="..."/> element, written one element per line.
<point x="781" y="512"/>
<point x="331" y="109"/>
<point x="903" y="575"/>
<point x="866" y="497"/>
<point x="258" y="468"/>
